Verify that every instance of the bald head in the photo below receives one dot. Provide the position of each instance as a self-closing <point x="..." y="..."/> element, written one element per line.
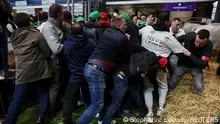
<point x="120" y="23"/>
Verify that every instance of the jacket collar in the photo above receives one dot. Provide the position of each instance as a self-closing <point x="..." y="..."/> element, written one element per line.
<point x="55" y="21"/>
<point x="114" y="28"/>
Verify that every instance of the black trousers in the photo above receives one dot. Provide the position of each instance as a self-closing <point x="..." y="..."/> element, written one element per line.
<point x="135" y="91"/>
<point x="71" y="98"/>
<point x="136" y="95"/>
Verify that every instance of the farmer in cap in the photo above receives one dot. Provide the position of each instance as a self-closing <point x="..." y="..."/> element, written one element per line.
<point x="93" y="28"/>
<point x="132" y="29"/>
<point x="80" y="20"/>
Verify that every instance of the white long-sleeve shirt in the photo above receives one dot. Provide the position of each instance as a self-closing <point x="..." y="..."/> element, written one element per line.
<point x="162" y="43"/>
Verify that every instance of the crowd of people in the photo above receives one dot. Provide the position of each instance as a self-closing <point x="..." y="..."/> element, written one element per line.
<point x="110" y="63"/>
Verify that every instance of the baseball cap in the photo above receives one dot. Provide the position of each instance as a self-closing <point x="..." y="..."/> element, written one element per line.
<point x="80" y="19"/>
<point x="95" y="15"/>
<point x="126" y="17"/>
<point x="104" y="16"/>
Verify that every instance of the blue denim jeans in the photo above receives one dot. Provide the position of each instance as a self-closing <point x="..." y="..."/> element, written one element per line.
<point x="120" y="88"/>
<point x="96" y="83"/>
<point x="3" y="49"/>
<point x="197" y="75"/>
<point x="21" y="91"/>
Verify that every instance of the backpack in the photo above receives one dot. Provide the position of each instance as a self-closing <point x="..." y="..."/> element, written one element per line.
<point x="144" y="62"/>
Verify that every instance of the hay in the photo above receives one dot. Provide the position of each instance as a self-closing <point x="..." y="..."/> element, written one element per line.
<point x="185" y="106"/>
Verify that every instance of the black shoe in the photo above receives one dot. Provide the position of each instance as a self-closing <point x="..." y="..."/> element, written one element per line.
<point x="126" y="114"/>
<point x="40" y="120"/>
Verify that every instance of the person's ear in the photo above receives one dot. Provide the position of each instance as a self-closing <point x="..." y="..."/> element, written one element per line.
<point x="167" y="23"/>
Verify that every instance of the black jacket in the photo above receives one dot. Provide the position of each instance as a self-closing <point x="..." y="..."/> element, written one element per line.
<point x="113" y="46"/>
<point x="141" y="61"/>
<point x="5" y="12"/>
<point x="195" y="60"/>
<point x="132" y="30"/>
<point x="66" y="27"/>
<point x="77" y="49"/>
<point x="135" y="48"/>
<point x="93" y="31"/>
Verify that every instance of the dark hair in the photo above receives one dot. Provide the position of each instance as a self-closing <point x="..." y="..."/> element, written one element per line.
<point x="109" y="17"/>
<point x="22" y="20"/>
<point x="33" y="18"/>
<point x="67" y="16"/>
<point x="42" y="16"/>
<point x="203" y="34"/>
<point x="177" y="19"/>
<point x="134" y="16"/>
<point x="92" y="20"/>
<point x="54" y="10"/>
<point x="76" y="29"/>
<point x="162" y="18"/>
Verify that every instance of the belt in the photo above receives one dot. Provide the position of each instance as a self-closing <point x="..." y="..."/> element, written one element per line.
<point x="96" y="67"/>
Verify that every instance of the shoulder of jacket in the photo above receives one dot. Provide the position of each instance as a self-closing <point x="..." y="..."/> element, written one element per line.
<point x="148" y="27"/>
<point x="210" y="44"/>
<point x="191" y="34"/>
<point x="123" y="39"/>
<point x="145" y="28"/>
<point x="167" y="35"/>
<point x="48" y="24"/>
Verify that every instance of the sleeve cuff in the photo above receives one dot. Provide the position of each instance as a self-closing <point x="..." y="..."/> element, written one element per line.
<point x="192" y="56"/>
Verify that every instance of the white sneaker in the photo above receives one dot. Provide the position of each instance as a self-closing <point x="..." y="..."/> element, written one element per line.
<point x="80" y="103"/>
<point x="149" y="118"/>
<point x="113" y="122"/>
<point x="99" y="122"/>
<point x="2" y="78"/>
<point x="160" y="111"/>
<point x="97" y="115"/>
<point x="2" y="75"/>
